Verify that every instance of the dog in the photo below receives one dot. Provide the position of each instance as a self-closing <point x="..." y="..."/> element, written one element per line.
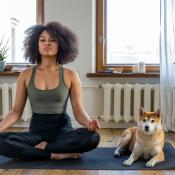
<point x="147" y="139"/>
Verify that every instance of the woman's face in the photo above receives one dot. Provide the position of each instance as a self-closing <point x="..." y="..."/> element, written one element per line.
<point x="48" y="46"/>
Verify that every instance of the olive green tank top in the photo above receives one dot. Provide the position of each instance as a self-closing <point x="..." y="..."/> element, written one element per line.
<point x="52" y="101"/>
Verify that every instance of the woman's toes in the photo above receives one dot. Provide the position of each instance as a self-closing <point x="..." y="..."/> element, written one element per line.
<point x="76" y="156"/>
<point x="41" y="145"/>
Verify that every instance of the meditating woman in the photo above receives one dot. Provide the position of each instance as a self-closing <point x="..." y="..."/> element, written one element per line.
<point x="49" y="85"/>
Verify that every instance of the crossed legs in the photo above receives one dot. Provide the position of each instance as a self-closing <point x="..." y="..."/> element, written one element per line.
<point x="27" y="145"/>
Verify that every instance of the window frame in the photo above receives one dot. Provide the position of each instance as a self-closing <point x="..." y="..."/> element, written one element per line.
<point x="101" y="47"/>
<point x="40" y="11"/>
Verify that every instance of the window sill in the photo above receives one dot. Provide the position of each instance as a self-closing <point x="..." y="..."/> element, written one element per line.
<point x="127" y="75"/>
<point x="14" y="69"/>
<point x="9" y="73"/>
<point x="102" y="75"/>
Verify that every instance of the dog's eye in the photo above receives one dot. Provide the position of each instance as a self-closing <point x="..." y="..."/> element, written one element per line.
<point x="144" y="120"/>
<point x="152" y="121"/>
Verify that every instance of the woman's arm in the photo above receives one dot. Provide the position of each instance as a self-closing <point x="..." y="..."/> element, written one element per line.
<point x="21" y="95"/>
<point x="77" y="104"/>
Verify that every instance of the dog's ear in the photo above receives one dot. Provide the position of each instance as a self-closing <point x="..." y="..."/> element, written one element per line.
<point x="141" y="111"/>
<point x="157" y="113"/>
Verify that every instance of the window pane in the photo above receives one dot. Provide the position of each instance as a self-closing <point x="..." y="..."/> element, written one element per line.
<point x="133" y="31"/>
<point x="16" y="16"/>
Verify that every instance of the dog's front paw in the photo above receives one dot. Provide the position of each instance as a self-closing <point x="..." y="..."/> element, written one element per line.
<point x="128" y="162"/>
<point x="150" y="163"/>
<point x="117" y="153"/>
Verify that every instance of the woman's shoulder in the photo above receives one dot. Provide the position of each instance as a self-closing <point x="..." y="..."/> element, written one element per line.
<point x="25" y="76"/>
<point x="27" y="72"/>
<point x="70" y="72"/>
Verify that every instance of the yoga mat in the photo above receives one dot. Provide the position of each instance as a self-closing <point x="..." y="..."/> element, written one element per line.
<point x="97" y="159"/>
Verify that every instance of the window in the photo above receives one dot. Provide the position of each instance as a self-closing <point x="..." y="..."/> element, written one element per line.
<point x="128" y="33"/>
<point x="16" y="16"/>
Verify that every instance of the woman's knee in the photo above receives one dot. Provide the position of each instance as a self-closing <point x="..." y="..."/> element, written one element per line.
<point x="95" y="138"/>
<point x="91" y="138"/>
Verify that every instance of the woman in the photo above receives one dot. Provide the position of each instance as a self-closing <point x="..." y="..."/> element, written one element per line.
<point x="48" y="85"/>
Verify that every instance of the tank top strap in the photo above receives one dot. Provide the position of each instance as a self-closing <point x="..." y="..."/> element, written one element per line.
<point x="61" y="75"/>
<point x="33" y="76"/>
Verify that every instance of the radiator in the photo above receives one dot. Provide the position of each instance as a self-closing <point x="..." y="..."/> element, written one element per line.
<point x="122" y="101"/>
<point x="7" y="100"/>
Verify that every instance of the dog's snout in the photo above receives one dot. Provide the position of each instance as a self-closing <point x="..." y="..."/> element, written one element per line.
<point x="147" y="128"/>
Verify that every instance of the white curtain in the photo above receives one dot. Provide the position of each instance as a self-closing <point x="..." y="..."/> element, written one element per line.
<point x="167" y="64"/>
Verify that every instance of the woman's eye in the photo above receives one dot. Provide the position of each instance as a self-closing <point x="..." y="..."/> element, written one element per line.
<point x="53" y="40"/>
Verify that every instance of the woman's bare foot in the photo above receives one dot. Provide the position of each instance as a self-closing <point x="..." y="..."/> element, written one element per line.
<point x="59" y="156"/>
<point x="41" y="145"/>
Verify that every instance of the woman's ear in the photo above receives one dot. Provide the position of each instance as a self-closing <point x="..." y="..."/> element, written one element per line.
<point x="141" y="111"/>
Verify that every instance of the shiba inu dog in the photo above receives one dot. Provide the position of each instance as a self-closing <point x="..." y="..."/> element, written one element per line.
<point x="147" y="139"/>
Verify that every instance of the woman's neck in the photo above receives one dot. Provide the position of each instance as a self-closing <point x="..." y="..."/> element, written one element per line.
<point x="48" y="64"/>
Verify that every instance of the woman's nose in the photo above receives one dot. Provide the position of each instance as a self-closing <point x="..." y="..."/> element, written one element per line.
<point x="47" y="42"/>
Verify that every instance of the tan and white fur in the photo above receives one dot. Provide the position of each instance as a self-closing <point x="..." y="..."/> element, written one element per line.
<point x="147" y="139"/>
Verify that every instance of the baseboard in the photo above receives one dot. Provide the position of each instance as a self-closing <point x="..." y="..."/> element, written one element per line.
<point x="113" y="124"/>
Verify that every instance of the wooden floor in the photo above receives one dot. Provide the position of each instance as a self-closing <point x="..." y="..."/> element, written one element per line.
<point x="108" y="139"/>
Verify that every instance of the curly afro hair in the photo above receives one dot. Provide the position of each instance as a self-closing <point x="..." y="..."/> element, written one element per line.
<point x="68" y="42"/>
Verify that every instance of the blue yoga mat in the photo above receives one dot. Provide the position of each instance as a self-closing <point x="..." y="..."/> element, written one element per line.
<point x="97" y="159"/>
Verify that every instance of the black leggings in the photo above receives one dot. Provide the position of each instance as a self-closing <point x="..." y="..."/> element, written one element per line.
<point x="56" y="129"/>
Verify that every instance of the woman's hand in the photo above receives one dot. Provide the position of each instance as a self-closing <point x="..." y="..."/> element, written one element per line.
<point x="93" y="125"/>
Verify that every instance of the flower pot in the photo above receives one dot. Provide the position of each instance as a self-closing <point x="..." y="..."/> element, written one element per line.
<point x="2" y="66"/>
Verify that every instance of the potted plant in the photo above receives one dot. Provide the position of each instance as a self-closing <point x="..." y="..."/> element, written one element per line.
<point x="3" y="54"/>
